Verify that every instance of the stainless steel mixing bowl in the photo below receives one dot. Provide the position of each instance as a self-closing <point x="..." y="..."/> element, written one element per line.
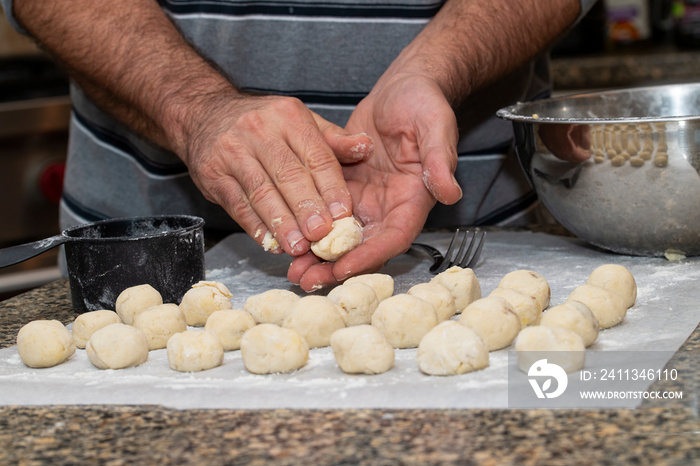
<point x="620" y="169"/>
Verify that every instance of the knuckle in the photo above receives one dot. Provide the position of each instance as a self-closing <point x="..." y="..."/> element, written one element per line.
<point x="260" y="192"/>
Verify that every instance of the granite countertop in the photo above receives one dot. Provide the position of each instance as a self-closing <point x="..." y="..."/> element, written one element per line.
<point x="653" y="433"/>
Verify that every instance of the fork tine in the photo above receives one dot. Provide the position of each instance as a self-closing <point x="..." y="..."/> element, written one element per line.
<point x="467" y="243"/>
<point x="465" y="250"/>
<point x="446" y="263"/>
<point x="468" y="260"/>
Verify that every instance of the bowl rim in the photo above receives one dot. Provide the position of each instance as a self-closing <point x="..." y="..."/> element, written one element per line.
<point x="518" y="112"/>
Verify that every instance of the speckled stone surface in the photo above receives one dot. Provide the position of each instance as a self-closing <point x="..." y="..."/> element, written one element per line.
<point x="656" y="433"/>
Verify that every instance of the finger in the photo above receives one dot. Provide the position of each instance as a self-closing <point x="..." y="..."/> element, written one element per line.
<point x="237" y="206"/>
<point x="300" y="265"/>
<point x="324" y="169"/>
<point x="318" y="276"/>
<point x="371" y="255"/>
<point x="437" y="145"/>
<point x="252" y="199"/>
<point x="348" y="148"/>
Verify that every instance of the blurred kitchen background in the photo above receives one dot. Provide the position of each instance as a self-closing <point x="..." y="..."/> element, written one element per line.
<point x="620" y="43"/>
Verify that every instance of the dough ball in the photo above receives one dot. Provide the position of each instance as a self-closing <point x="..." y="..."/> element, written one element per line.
<point x="382" y="283"/>
<point x="557" y="345"/>
<point x="494" y="320"/>
<point x="615" y="278"/>
<point x="268" y="349"/>
<point x="202" y="300"/>
<point x="159" y="323"/>
<point x="437" y="295"/>
<point x="229" y="325"/>
<point x="362" y="350"/>
<point x="357" y="299"/>
<point x="607" y="306"/>
<point x="117" y="346"/>
<point x="524" y="305"/>
<point x="530" y="283"/>
<point x="87" y="323"/>
<point x="44" y="343"/>
<point x="271" y="306"/>
<point x="315" y="318"/>
<point x="194" y="351"/>
<point x="462" y="283"/>
<point x="345" y="236"/>
<point x="575" y="316"/>
<point x="404" y="319"/>
<point x="136" y="299"/>
<point x="450" y="349"/>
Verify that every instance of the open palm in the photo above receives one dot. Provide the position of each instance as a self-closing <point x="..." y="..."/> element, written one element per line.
<point x="415" y="133"/>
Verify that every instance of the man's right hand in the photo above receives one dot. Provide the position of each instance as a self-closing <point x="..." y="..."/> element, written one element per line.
<point x="274" y="166"/>
<point x="269" y="161"/>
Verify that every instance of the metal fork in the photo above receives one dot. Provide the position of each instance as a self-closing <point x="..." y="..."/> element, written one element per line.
<point x="470" y="244"/>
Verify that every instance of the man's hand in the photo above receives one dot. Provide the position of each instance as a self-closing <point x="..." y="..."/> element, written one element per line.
<point x="273" y="165"/>
<point x="269" y="161"/>
<point x="409" y="115"/>
<point x="415" y="135"/>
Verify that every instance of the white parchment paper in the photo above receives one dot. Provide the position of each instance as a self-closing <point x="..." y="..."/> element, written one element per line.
<point x="666" y="312"/>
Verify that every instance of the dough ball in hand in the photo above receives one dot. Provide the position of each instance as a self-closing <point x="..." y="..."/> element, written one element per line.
<point x="362" y="350"/>
<point x="269" y="349"/>
<point x="159" y="323"/>
<point x="494" y="320"/>
<point x="229" y="325"/>
<point x="575" y="316"/>
<point x="315" y="318"/>
<point x="345" y="236"/>
<point x="524" y="305"/>
<point x="89" y="322"/>
<point x="194" y="351"/>
<point x="529" y="282"/>
<point x="607" y="306"/>
<point x="437" y="295"/>
<point x="271" y="306"/>
<point x="557" y="345"/>
<point x="462" y="283"/>
<point x="135" y="299"/>
<point x="358" y="300"/>
<point x="202" y="300"/>
<point x="451" y="349"/>
<point x="404" y="320"/>
<point x="382" y="283"/>
<point x="44" y="343"/>
<point x="117" y="346"/>
<point x="615" y="278"/>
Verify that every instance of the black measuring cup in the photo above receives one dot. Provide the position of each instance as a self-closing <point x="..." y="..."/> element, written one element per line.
<point x="106" y="257"/>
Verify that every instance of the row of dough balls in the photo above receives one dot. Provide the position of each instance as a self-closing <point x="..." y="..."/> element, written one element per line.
<point x="141" y="322"/>
<point x="290" y="325"/>
<point x="363" y="322"/>
<point x="566" y="330"/>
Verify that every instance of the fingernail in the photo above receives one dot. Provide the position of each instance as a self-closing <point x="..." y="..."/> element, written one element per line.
<point x="314" y="222"/>
<point x="293" y="239"/>
<point x="337" y="209"/>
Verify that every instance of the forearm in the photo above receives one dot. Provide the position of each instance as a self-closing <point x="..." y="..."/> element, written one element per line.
<point x="130" y="59"/>
<point x="471" y="43"/>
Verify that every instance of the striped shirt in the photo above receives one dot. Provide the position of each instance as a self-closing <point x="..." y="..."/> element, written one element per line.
<point x="329" y="54"/>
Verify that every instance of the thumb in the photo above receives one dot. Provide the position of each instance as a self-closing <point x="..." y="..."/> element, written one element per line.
<point x="438" y="153"/>
<point x="348" y="148"/>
